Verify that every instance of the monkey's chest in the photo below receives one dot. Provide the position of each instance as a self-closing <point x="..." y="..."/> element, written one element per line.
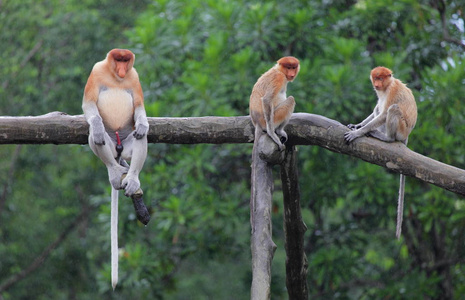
<point x="116" y="109"/>
<point x="280" y="97"/>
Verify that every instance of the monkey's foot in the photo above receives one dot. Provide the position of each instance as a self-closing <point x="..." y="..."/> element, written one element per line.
<point x="123" y="163"/>
<point x="282" y="135"/>
<point x="115" y="174"/>
<point x="130" y="184"/>
<point x="142" y="212"/>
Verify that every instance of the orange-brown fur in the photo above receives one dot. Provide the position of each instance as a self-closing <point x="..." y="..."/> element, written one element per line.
<point x="113" y="101"/>
<point x="395" y="92"/>
<point x="269" y="95"/>
<point x="115" y="94"/>
<point x="393" y="119"/>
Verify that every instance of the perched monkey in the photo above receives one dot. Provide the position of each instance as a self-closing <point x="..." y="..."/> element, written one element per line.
<point x="392" y="120"/>
<point x="270" y="110"/>
<point x="113" y="105"/>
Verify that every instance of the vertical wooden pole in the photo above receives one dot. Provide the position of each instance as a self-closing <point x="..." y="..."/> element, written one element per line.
<point x="262" y="245"/>
<point x="294" y="229"/>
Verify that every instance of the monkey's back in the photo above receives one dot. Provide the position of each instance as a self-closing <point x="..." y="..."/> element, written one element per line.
<point x="272" y="82"/>
<point x="406" y="101"/>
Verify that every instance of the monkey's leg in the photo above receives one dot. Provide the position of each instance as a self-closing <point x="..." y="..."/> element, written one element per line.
<point x="107" y="154"/>
<point x="282" y="114"/>
<point x="393" y="126"/>
<point x="378" y="134"/>
<point x="136" y="151"/>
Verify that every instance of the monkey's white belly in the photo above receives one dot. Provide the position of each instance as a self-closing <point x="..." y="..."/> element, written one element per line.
<point x="281" y="97"/>
<point x="116" y="109"/>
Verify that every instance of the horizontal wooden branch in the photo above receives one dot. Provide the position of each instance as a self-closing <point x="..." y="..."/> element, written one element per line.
<point x="303" y="129"/>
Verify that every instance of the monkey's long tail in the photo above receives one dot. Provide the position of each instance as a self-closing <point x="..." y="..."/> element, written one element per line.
<point x="114" y="237"/>
<point x="400" y="206"/>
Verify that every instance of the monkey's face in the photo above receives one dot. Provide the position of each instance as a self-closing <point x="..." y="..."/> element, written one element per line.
<point x="380" y="78"/>
<point x="122" y="61"/>
<point x="378" y="83"/>
<point x="290" y="66"/>
<point x="291" y="73"/>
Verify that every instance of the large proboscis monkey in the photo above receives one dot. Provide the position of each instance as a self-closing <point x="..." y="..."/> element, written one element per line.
<point x="392" y="120"/>
<point x="113" y="105"/>
<point x="270" y="109"/>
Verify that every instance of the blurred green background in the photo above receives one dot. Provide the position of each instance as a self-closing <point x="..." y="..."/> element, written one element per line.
<point x="200" y="58"/>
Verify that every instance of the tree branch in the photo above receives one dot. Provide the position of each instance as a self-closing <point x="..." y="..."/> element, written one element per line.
<point x="303" y="129"/>
<point x="39" y="260"/>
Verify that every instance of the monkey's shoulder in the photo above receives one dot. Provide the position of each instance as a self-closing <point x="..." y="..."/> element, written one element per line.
<point x="400" y="93"/>
<point x="273" y="81"/>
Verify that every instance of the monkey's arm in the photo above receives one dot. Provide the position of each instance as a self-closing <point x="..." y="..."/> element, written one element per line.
<point x="363" y="123"/>
<point x="372" y="125"/>
<point x="140" y="117"/>
<point x="141" y="123"/>
<point x="95" y="121"/>
<point x="268" y="113"/>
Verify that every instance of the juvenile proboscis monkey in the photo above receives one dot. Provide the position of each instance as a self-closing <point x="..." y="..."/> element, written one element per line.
<point x="270" y="109"/>
<point x="392" y="120"/>
<point x="113" y="105"/>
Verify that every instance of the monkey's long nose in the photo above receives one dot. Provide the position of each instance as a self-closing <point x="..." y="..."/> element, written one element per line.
<point x="121" y="72"/>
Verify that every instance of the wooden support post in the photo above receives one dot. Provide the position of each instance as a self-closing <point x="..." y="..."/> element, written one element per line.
<point x="294" y="229"/>
<point x="264" y="155"/>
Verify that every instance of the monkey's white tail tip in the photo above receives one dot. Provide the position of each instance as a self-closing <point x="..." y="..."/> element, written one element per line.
<point x="114" y="282"/>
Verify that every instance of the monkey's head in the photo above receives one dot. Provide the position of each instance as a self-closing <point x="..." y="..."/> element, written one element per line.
<point x="290" y="66"/>
<point x="121" y="61"/>
<point x="380" y="78"/>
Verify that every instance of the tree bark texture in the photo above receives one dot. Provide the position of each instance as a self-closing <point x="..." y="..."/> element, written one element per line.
<point x="262" y="245"/>
<point x="303" y="129"/>
<point x="294" y="229"/>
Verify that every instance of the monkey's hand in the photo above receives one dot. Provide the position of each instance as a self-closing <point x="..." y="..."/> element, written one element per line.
<point x="281" y="146"/>
<point x="351" y="135"/>
<point x="141" y="131"/>
<point x="354" y="126"/>
<point x="98" y="130"/>
<point x="130" y="184"/>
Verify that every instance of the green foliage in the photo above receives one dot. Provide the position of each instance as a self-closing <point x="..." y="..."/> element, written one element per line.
<point x="202" y="57"/>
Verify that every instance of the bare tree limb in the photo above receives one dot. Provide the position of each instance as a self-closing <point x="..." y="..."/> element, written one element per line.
<point x="303" y="129"/>
<point x="39" y="260"/>
<point x="441" y="7"/>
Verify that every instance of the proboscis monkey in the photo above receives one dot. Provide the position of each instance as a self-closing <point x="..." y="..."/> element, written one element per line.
<point x="392" y="120"/>
<point x="113" y="105"/>
<point x="270" y="109"/>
